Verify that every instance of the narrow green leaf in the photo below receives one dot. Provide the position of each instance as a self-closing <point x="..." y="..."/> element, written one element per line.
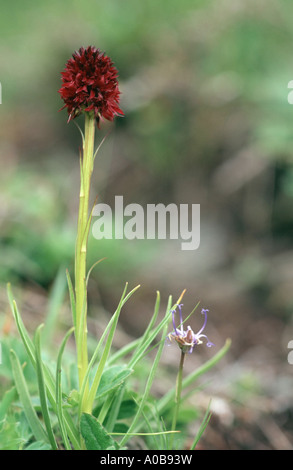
<point x="81" y="328"/>
<point x="95" y="435"/>
<point x="93" y="390"/>
<point x="49" y="380"/>
<point x="107" y="347"/>
<point x="158" y="433"/>
<point x="6" y="401"/>
<point x="99" y="146"/>
<point x="202" y="428"/>
<point x="153" y="419"/>
<point x="87" y="230"/>
<point x="124" y="351"/>
<point x="21" y="328"/>
<point x="111" y="327"/>
<point x="22" y="390"/>
<point x="38" y="445"/>
<point x="114" y="411"/>
<point x="81" y="172"/>
<point x="93" y="266"/>
<point x="81" y="133"/>
<point x="147" y="387"/>
<point x="150" y="325"/>
<point x="56" y="299"/>
<point x="59" y="407"/>
<point x="106" y="408"/>
<point x="112" y="378"/>
<point x="72" y="297"/>
<point x="140" y="352"/>
<point x="112" y="405"/>
<point x="42" y="388"/>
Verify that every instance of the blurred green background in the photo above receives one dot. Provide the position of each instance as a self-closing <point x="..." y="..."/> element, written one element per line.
<point x="207" y="121"/>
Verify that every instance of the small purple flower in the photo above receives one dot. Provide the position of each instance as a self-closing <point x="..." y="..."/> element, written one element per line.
<point x="187" y="339"/>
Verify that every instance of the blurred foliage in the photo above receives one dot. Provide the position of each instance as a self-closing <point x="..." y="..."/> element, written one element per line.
<point x="204" y="91"/>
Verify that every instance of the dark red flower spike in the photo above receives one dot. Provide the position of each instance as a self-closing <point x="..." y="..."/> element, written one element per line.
<point x="89" y="84"/>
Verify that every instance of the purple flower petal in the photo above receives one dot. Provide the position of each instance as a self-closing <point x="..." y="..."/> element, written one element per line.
<point x="187" y="339"/>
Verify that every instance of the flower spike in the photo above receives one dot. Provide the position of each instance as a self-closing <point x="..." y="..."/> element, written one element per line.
<point x="89" y="84"/>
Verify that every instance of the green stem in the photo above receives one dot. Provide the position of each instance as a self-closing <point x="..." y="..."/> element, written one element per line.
<point x="177" y="396"/>
<point x="86" y="169"/>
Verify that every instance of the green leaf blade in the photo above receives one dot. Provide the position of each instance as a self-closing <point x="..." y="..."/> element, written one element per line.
<point x="49" y="380"/>
<point x="42" y="388"/>
<point x="59" y="408"/>
<point x="22" y="390"/>
<point x="94" y="434"/>
<point x="111" y="379"/>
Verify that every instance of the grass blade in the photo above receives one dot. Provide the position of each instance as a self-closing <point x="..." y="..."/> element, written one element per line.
<point x="113" y="414"/>
<point x="119" y="396"/>
<point x="140" y="351"/>
<point x="138" y="344"/>
<point x="93" y="266"/>
<point x="106" y="351"/>
<point x="147" y="388"/>
<point x="56" y="299"/>
<point x="22" y="390"/>
<point x="97" y="350"/>
<point x="8" y="398"/>
<point x="49" y="380"/>
<point x="42" y="389"/>
<point x="72" y="297"/>
<point x="21" y="328"/>
<point x="203" y="425"/>
<point x="59" y="408"/>
<point x="150" y="325"/>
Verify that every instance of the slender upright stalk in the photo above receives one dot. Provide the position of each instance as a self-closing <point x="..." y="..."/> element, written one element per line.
<point x="89" y="88"/>
<point x="177" y="396"/>
<point x="86" y="169"/>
